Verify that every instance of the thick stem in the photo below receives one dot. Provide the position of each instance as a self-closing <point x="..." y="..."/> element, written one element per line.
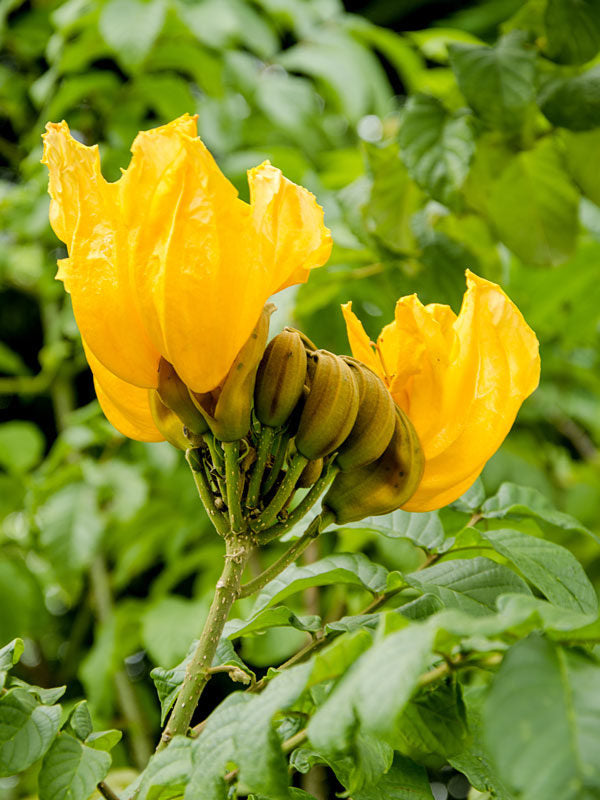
<point x="194" y="459"/>
<point x="290" y="555"/>
<point x="265" y="444"/>
<point x="234" y="487"/>
<point x="288" y="484"/>
<point x="197" y="672"/>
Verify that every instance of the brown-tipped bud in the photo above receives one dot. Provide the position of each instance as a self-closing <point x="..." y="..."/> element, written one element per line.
<point x="308" y="343"/>
<point x="227" y="409"/>
<point x="310" y="474"/>
<point x="280" y="379"/>
<point x="330" y="409"/>
<point x="375" y="420"/>
<point x="167" y="422"/>
<point x="384" y="485"/>
<point x="174" y="394"/>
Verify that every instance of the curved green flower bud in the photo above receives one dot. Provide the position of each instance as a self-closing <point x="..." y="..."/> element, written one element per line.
<point x="382" y="486"/>
<point x="330" y="408"/>
<point x="280" y="379"/>
<point x="375" y="420"/>
<point x="167" y="422"/>
<point x="310" y="474"/>
<point x="174" y="394"/>
<point x="227" y="409"/>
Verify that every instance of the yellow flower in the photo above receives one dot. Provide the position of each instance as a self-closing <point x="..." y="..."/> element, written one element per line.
<point x="461" y="380"/>
<point x="168" y="261"/>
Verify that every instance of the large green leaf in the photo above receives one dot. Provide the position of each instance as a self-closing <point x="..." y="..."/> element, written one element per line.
<point x="583" y="160"/>
<point x="572" y="30"/>
<point x="71" y="770"/>
<point x="168" y="770"/>
<point x="553" y="569"/>
<point x="548" y="700"/>
<point x="471" y="585"/>
<point x="214" y="749"/>
<point x="280" y="617"/>
<point x="436" y="147"/>
<point x="262" y="765"/>
<point x="27" y="730"/>
<point x="130" y="27"/>
<point x="374" y="691"/>
<point x="433" y="727"/>
<point x="512" y="501"/>
<point x="349" y="568"/>
<point x="498" y="82"/>
<point x="573" y="103"/>
<point x="424" y="529"/>
<point x="21" y="446"/>
<point x="533" y="206"/>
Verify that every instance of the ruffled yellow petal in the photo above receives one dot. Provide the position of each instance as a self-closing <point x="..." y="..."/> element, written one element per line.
<point x="461" y="380"/>
<point x="292" y="238"/>
<point x="124" y="405"/>
<point x="84" y="213"/>
<point x="360" y="344"/>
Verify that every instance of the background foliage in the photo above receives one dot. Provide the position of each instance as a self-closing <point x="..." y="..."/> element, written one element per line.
<point x="434" y="145"/>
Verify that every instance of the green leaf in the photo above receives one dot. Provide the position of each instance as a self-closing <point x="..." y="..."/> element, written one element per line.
<point x="262" y="765"/>
<point x="46" y="696"/>
<point x="334" y="660"/>
<point x="436" y="147"/>
<point x="553" y="569"/>
<point x="433" y="727"/>
<point x="572" y="30"/>
<point x="70" y="528"/>
<point x="104" y="740"/>
<point x="533" y="206"/>
<point x="573" y="103"/>
<point x="212" y="751"/>
<point x="347" y="68"/>
<point x="423" y="529"/>
<point x="517" y="502"/>
<point x="498" y="82"/>
<point x="583" y="160"/>
<point x="405" y="780"/>
<point x="373" y="692"/>
<point x="471" y="585"/>
<point x="280" y="617"/>
<point x="169" y="624"/>
<point x="131" y="27"/>
<point x="393" y="199"/>
<point x="544" y="694"/>
<point x="27" y="730"/>
<point x="349" y="568"/>
<point x="80" y="721"/>
<point x="71" y="770"/>
<point x="10" y="654"/>
<point x="474" y="760"/>
<point x="170" y="769"/>
<point x="21" y="446"/>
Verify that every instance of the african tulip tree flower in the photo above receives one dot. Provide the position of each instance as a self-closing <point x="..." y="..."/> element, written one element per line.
<point x="169" y="262"/>
<point x="460" y="379"/>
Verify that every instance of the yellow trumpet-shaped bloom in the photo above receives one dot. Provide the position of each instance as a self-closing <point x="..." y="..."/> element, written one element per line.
<point x="168" y="261"/>
<point x="460" y="379"/>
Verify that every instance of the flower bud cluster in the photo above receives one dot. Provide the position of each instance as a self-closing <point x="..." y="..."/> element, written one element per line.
<point x="305" y="418"/>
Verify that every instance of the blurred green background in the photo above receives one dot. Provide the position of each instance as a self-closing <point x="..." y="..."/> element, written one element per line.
<point x="437" y="136"/>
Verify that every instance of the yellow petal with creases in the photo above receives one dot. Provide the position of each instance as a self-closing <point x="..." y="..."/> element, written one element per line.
<point x="124" y="405"/>
<point x="360" y="344"/>
<point x="461" y="380"/>
<point x="292" y="238"/>
<point x="85" y="216"/>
